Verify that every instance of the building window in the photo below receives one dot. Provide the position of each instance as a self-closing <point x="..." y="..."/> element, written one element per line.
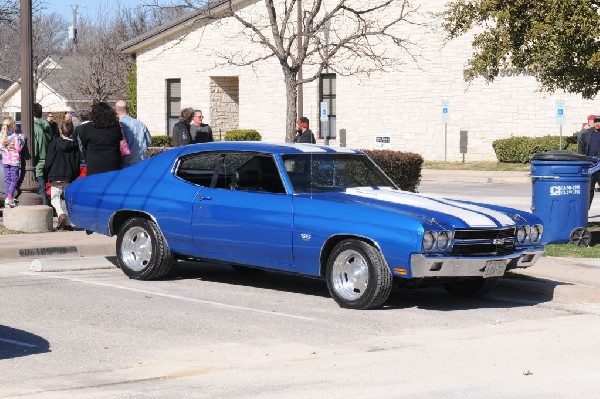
<point x="173" y="103"/>
<point x="327" y="94"/>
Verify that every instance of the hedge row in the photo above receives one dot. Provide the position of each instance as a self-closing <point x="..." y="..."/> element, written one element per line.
<point x="242" y="135"/>
<point x="518" y="149"/>
<point x="404" y="168"/>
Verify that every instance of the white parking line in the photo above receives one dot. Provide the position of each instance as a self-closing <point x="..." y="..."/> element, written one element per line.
<point x="25" y="344"/>
<point x="182" y="298"/>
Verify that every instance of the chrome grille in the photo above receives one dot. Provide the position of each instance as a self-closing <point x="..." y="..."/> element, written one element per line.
<point x="483" y="242"/>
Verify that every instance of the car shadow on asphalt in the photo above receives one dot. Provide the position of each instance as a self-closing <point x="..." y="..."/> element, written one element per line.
<point x="431" y="298"/>
<point x="17" y="343"/>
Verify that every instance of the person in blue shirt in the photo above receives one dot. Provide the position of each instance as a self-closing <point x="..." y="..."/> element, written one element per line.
<point x="135" y="132"/>
<point x="589" y="144"/>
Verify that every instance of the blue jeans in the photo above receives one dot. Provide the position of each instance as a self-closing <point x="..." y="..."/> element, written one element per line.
<point x="42" y="182"/>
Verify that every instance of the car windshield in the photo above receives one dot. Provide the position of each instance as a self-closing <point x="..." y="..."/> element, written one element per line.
<point x="333" y="172"/>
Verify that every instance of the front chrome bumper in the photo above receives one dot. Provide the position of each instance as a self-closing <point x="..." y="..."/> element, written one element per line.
<point x="426" y="266"/>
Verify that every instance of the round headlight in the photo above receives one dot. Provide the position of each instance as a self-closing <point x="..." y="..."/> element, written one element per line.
<point x="535" y="234"/>
<point x="443" y="241"/>
<point x="429" y="240"/>
<point x="521" y="234"/>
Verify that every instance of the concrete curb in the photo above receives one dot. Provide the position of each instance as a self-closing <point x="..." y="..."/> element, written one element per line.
<point x="73" y="264"/>
<point x="475" y="176"/>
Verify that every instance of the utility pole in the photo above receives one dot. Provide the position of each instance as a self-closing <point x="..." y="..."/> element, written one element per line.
<point x="300" y="89"/>
<point x="73" y="30"/>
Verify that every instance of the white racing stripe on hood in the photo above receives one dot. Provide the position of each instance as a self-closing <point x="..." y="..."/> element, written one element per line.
<point x="470" y="214"/>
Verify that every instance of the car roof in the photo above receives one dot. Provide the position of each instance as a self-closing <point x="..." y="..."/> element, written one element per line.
<point x="260" y="146"/>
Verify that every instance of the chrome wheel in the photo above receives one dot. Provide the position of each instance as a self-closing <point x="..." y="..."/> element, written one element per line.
<point x="136" y="250"/>
<point x="350" y="275"/>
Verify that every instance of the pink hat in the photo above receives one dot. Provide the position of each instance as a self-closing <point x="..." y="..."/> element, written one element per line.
<point x="591" y="117"/>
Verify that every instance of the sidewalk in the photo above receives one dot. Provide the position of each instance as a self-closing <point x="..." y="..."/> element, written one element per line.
<point x="475" y="176"/>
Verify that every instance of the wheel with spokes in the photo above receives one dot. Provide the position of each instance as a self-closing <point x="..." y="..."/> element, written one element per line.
<point x="142" y="251"/>
<point x="580" y="237"/>
<point x="358" y="276"/>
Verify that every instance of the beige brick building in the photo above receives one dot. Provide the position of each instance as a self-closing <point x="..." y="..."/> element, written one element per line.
<point x="180" y="65"/>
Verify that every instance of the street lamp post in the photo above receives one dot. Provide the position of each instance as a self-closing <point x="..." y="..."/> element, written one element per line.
<point x="29" y="186"/>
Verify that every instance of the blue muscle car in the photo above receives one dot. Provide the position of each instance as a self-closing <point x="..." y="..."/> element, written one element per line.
<point x="306" y="209"/>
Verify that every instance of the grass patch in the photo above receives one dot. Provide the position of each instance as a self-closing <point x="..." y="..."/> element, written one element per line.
<point x="4" y="230"/>
<point x="493" y="166"/>
<point x="573" y="251"/>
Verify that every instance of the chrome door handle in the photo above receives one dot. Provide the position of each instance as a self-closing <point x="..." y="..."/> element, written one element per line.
<point x="202" y="198"/>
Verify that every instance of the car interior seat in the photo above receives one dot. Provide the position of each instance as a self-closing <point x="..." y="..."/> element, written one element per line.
<point x="248" y="180"/>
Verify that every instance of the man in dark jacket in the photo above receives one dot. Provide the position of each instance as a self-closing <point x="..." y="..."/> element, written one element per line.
<point x="181" y="130"/>
<point x="304" y="134"/>
<point x="589" y="144"/>
<point x="61" y="168"/>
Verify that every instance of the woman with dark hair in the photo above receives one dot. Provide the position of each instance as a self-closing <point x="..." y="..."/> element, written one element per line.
<point x="100" y="140"/>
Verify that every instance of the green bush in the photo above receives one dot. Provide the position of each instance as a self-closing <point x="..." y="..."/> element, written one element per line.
<point x="152" y="151"/>
<point x="242" y="135"/>
<point x="162" y="141"/>
<point x="404" y="168"/>
<point x="518" y="149"/>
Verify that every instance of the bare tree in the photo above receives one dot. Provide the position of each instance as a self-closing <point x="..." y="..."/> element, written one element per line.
<point x="103" y="69"/>
<point x="9" y="11"/>
<point x="48" y="37"/>
<point x="343" y="36"/>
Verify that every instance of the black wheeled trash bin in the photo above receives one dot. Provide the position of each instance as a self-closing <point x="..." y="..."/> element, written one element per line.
<point x="560" y="195"/>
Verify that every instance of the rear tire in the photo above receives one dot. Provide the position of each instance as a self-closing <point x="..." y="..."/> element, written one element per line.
<point x="142" y="250"/>
<point x="472" y="287"/>
<point x="358" y="276"/>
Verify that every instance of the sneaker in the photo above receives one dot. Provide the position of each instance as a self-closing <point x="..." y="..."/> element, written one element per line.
<point x="62" y="218"/>
<point x="10" y="203"/>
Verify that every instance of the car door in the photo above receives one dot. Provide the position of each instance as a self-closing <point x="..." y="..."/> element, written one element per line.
<point x="242" y="224"/>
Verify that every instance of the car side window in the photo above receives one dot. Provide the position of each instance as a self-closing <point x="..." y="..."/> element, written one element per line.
<point x="257" y="173"/>
<point x="242" y="171"/>
<point x="198" y="168"/>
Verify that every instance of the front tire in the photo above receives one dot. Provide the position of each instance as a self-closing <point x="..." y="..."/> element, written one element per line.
<point x="142" y="250"/>
<point x="358" y="276"/>
<point x="472" y="287"/>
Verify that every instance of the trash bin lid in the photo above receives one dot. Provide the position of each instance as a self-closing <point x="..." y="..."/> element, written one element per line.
<point x="560" y="155"/>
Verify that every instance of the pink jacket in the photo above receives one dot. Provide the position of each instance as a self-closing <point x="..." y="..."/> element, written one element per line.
<point x="11" y="150"/>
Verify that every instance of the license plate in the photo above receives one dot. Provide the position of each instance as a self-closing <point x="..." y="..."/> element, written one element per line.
<point x="494" y="268"/>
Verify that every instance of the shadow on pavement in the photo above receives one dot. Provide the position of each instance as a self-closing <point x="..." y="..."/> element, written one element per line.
<point x="433" y="297"/>
<point x="17" y="343"/>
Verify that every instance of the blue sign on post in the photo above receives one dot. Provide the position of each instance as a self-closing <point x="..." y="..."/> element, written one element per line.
<point x="324" y="113"/>
<point x="560" y="112"/>
<point x="445" y="111"/>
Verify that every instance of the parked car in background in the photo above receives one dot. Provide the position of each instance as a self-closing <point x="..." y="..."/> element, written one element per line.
<point x="307" y="209"/>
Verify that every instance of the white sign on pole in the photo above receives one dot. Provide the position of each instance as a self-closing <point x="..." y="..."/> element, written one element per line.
<point x="383" y="142"/>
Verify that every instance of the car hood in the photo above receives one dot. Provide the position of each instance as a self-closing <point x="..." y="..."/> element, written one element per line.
<point x="457" y="213"/>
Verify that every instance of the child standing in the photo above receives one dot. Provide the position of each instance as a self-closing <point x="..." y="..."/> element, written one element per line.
<point x="11" y="144"/>
<point x="61" y="168"/>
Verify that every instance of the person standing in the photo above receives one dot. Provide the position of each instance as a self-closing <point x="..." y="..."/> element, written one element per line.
<point x="75" y="119"/>
<point x="53" y="124"/>
<point x="181" y="130"/>
<point x="61" y="168"/>
<point x="84" y="115"/>
<point x="200" y="132"/>
<point x="100" y="140"/>
<point x="11" y="144"/>
<point x="136" y="133"/>
<point x="304" y="134"/>
<point x="42" y="137"/>
<point x="589" y="144"/>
